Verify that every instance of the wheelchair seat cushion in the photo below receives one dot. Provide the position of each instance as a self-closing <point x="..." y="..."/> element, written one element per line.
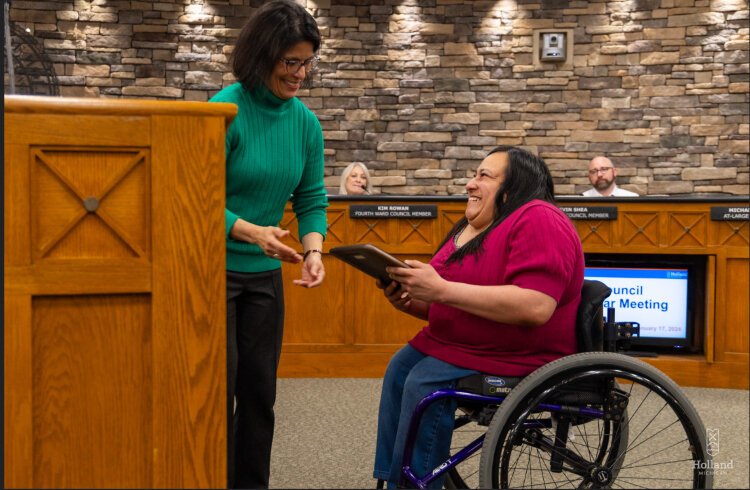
<point x="488" y="384"/>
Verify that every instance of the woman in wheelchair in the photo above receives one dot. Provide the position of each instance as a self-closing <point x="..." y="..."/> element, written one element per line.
<point x="500" y="296"/>
<point x="515" y="339"/>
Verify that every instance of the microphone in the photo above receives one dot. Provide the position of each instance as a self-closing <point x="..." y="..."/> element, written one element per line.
<point x="364" y="188"/>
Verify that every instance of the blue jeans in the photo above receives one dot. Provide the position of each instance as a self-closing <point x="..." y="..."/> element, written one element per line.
<point x="411" y="376"/>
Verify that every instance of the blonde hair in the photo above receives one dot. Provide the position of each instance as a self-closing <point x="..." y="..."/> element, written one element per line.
<point x="345" y="176"/>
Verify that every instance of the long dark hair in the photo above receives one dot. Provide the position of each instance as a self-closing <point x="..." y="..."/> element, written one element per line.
<point x="272" y="29"/>
<point x="526" y="178"/>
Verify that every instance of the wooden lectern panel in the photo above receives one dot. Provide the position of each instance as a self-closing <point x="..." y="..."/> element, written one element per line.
<point x="91" y="394"/>
<point x="189" y="302"/>
<point x="115" y="294"/>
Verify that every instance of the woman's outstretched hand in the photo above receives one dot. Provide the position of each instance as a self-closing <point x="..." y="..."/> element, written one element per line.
<point x="268" y="238"/>
<point x="313" y="271"/>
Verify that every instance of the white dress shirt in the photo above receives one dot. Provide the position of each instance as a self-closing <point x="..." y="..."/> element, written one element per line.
<point x="617" y="192"/>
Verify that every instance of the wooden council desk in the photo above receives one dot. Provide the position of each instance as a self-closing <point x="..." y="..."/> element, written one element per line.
<point x="346" y="328"/>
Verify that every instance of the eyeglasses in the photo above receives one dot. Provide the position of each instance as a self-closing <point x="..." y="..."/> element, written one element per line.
<point x="293" y="66"/>
<point x="602" y="170"/>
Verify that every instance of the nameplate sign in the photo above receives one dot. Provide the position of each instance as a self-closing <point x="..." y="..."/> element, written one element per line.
<point x="393" y="211"/>
<point x="730" y="213"/>
<point x="590" y="212"/>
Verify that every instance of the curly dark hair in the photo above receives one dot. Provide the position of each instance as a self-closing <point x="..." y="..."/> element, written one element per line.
<point x="526" y="178"/>
<point x="270" y="31"/>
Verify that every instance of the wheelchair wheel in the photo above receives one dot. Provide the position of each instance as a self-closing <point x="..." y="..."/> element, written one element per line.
<point x="596" y="420"/>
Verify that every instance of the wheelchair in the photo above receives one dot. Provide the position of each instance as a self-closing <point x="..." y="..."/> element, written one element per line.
<point x="596" y="419"/>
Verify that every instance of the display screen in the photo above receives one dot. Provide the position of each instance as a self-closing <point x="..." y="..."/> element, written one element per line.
<point x="655" y="298"/>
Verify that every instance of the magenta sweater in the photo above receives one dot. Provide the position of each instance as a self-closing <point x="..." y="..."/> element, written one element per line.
<point x="537" y="247"/>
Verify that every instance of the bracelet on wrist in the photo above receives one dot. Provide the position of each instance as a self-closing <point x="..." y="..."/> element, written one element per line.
<point x="304" y="256"/>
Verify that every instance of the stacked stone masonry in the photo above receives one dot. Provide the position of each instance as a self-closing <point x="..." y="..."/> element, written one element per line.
<point x="419" y="90"/>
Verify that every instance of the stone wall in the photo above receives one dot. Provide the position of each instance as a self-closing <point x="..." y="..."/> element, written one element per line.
<point x="419" y="90"/>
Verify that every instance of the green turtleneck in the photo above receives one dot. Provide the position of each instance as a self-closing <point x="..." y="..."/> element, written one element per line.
<point x="274" y="152"/>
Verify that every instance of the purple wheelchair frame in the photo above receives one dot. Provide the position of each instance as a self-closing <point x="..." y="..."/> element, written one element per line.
<point x="407" y="475"/>
<point x="611" y="337"/>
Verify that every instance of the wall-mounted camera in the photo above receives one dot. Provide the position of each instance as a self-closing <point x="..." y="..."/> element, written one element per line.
<point x="553" y="46"/>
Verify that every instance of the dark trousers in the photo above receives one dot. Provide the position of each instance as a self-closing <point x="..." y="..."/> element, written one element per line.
<point x="255" y="327"/>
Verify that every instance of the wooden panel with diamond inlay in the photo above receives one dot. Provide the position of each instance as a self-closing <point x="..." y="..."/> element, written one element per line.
<point x="640" y="229"/>
<point x="730" y="234"/>
<point x="336" y="228"/>
<point x="373" y="230"/>
<point x="416" y="235"/>
<point x="90" y="204"/>
<point x="687" y="229"/>
<point x="595" y="233"/>
<point x="448" y="218"/>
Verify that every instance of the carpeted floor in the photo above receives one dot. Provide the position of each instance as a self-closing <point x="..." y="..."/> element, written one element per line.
<point x="325" y="433"/>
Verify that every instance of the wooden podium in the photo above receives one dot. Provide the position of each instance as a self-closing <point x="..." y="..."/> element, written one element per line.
<point x="115" y="329"/>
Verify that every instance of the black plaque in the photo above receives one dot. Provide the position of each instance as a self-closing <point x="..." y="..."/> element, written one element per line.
<point x="410" y="211"/>
<point x="590" y="212"/>
<point x="730" y="213"/>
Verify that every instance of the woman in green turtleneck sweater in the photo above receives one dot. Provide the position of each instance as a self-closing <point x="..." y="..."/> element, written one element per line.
<point x="274" y="152"/>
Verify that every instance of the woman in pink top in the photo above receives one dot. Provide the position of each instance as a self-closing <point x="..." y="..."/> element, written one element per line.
<point x="500" y="296"/>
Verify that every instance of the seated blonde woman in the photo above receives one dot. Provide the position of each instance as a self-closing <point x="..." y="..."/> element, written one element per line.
<point x="355" y="180"/>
